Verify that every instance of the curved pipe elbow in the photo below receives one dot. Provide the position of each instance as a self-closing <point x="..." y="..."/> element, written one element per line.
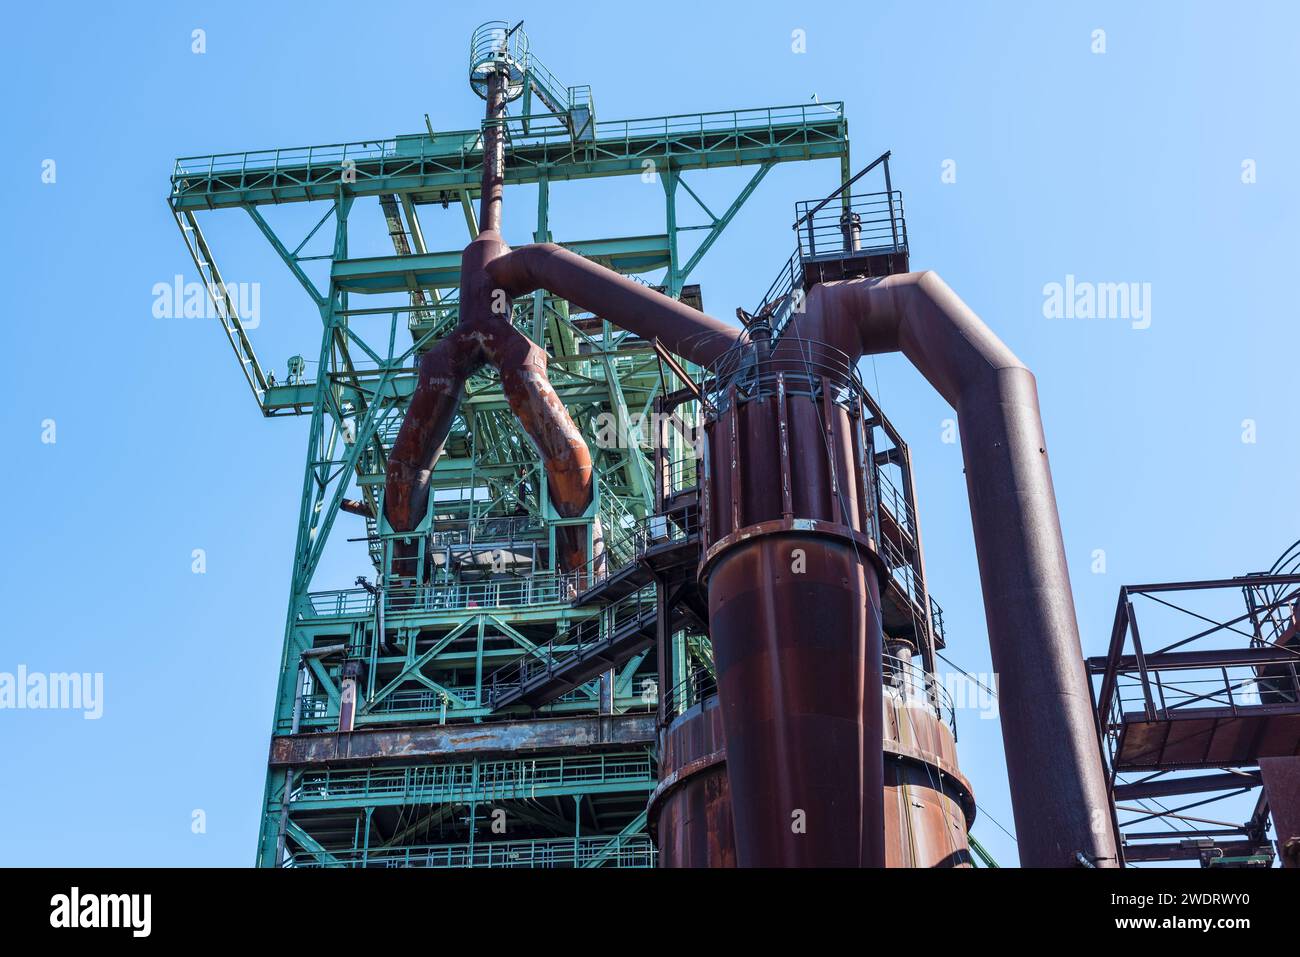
<point x="649" y="314"/>
<point x="919" y="315"/>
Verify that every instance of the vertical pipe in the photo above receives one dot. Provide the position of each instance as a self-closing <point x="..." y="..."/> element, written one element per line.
<point x="494" y="156"/>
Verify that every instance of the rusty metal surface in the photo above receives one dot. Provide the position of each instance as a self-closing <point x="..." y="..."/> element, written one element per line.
<point x="1282" y="789"/>
<point x="424" y="741"/>
<point x="798" y="665"/>
<point x="786" y="453"/>
<point x="629" y="305"/>
<point x="928" y="805"/>
<point x="794" y="618"/>
<point x="1207" y="738"/>
<point x="924" y="825"/>
<point x="1053" y="760"/>
<point x="689" y="813"/>
<point x="484" y="336"/>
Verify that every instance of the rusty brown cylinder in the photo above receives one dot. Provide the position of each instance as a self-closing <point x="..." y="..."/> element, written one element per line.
<point x="794" y="617"/>
<point x="929" y="804"/>
<point x="494" y="155"/>
<point x="690" y="811"/>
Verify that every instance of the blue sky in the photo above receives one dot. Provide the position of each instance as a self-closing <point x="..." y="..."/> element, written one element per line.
<point x="1119" y="167"/>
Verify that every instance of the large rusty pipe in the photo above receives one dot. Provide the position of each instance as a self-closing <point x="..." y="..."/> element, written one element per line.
<point x="1053" y="761"/>
<point x="494" y="157"/>
<point x="634" y="307"/>
<point x="484" y="335"/>
<point x="792" y="577"/>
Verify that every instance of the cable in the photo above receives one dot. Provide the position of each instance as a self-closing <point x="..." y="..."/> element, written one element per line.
<point x="967" y="674"/>
<point x="995" y="821"/>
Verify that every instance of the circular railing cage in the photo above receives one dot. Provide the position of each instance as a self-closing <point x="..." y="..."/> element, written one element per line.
<point x="1287" y="596"/>
<point x="759" y="368"/>
<point x="496" y="47"/>
<point x="1289" y="563"/>
<point x="912" y="685"/>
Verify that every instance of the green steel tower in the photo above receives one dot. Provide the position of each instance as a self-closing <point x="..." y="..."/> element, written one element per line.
<point x="389" y="745"/>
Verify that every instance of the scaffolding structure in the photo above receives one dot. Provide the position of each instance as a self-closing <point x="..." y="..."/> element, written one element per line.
<point x="1202" y="707"/>
<point x="501" y="712"/>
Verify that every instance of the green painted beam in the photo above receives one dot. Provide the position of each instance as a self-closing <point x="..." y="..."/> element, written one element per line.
<point x="445" y="165"/>
<point x="441" y="270"/>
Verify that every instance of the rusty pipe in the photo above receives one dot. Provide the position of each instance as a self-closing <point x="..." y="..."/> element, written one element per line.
<point x="494" y="157"/>
<point x="429" y="415"/>
<point x="484" y="336"/>
<point x="1053" y="760"/>
<point x="639" y="309"/>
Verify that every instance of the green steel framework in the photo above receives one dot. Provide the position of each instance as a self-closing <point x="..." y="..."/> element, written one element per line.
<point x="430" y="765"/>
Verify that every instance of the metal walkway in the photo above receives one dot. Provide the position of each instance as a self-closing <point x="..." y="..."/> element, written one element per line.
<point x="664" y="553"/>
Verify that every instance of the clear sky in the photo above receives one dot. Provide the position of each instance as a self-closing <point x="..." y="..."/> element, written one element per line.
<point x="1122" y="166"/>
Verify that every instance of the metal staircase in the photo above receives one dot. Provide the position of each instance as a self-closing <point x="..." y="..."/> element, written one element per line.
<point x="497" y="47"/>
<point x="664" y="553"/>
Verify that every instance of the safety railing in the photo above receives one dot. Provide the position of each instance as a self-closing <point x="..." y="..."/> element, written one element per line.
<point x="1160" y="694"/>
<point x="1275" y="609"/>
<point x="313" y="706"/>
<point x="903" y="679"/>
<point x="891" y="497"/>
<point x="680" y="475"/>
<point x="804" y="367"/>
<point x="902" y="571"/>
<point x="840" y="226"/>
<point x="500" y="592"/>
<point x="784" y="296"/>
<point x="637" y="540"/>
<point x="471" y="781"/>
<point x="1219" y="671"/>
<point x="770" y="126"/>
<point x="688" y="692"/>
<point x="495" y="47"/>
<point x="553" y="93"/>
<point x="867" y="224"/>
<point x="490" y="529"/>
<point x="915" y="686"/>
<point x="936" y="621"/>
<point x="426" y="699"/>
<point x="632" y="851"/>
<point x="578" y="641"/>
<point x="1224" y="686"/>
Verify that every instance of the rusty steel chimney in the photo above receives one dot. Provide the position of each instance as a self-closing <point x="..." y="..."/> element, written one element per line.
<point x="793" y="581"/>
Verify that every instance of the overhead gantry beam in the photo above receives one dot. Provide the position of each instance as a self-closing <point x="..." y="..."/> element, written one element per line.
<point x="449" y="166"/>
